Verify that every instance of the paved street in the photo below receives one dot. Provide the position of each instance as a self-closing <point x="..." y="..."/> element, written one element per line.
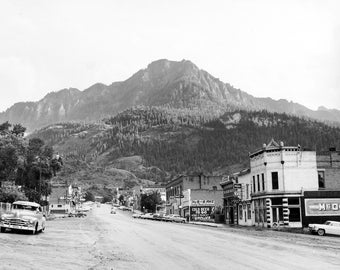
<point x="106" y="241"/>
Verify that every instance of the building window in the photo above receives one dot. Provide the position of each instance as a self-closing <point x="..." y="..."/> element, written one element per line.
<point x="321" y="177"/>
<point x="256" y="206"/>
<point x="254" y="187"/>
<point x="263" y="188"/>
<point x="258" y="183"/>
<point x="249" y="211"/>
<point x="294" y="214"/>
<point x="275" y="180"/>
<point x="240" y="211"/>
<point x="214" y="187"/>
<point x="247" y="191"/>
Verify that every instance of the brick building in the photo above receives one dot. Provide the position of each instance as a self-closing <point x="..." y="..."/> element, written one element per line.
<point x="328" y="164"/>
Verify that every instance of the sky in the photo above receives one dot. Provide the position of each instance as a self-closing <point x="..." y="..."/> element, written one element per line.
<point x="286" y="49"/>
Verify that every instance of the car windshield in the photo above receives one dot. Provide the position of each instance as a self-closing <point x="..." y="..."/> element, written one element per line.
<point x="327" y="223"/>
<point x="25" y="207"/>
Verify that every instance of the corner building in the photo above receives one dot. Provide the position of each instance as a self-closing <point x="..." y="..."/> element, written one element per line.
<point x="278" y="176"/>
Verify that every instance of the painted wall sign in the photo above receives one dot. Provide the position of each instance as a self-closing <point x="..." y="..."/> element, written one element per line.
<point x="322" y="207"/>
<point x="203" y="202"/>
<point x="201" y="213"/>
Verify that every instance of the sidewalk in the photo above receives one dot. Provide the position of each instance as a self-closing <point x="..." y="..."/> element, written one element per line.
<point x="209" y="224"/>
<point x="252" y="228"/>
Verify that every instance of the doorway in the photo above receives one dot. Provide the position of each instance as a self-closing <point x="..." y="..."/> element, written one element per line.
<point x="277" y="215"/>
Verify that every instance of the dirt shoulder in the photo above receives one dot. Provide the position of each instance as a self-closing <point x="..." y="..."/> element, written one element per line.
<point x="67" y="243"/>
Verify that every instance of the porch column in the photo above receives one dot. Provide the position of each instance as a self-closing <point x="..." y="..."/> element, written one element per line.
<point x="268" y="212"/>
<point x="285" y="211"/>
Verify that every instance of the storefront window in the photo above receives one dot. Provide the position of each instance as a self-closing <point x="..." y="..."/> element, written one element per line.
<point x="249" y="211"/>
<point x="294" y="214"/>
<point x="293" y="201"/>
<point x="257" y="211"/>
<point x="240" y="212"/>
<point x="276" y="201"/>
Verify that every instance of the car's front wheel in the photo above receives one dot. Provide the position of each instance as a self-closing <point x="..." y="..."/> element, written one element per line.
<point x="35" y="229"/>
<point x="321" y="232"/>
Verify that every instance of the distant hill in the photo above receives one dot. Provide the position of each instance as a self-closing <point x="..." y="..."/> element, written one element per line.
<point x="156" y="143"/>
<point x="170" y="84"/>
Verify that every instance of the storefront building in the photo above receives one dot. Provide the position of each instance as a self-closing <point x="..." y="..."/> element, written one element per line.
<point x="237" y="201"/>
<point x="205" y="195"/>
<point x="279" y="175"/>
<point x="320" y="206"/>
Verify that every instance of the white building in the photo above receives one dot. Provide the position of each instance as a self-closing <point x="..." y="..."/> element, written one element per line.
<point x="278" y="176"/>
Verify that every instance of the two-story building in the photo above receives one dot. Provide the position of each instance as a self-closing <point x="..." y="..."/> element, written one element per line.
<point x="205" y="195"/>
<point x="237" y="201"/>
<point x="279" y="175"/>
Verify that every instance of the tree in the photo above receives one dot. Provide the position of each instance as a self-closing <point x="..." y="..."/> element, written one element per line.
<point x="28" y="164"/>
<point x="89" y="196"/>
<point x="12" y="196"/>
<point x="107" y="198"/>
<point x="150" y="201"/>
<point x="18" y="130"/>
<point x="121" y="199"/>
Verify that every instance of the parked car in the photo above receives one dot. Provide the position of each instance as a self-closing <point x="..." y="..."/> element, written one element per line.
<point x="156" y="216"/>
<point x="78" y="213"/>
<point x="166" y="218"/>
<point x="137" y="215"/>
<point x="26" y="216"/>
<point x="147" y="216"/>
<point x="177" y="218"/>
<point x="329" y="227"/>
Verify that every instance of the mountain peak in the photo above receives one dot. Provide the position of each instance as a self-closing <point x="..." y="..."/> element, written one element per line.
<point x="322" y="108"/>
<point x="176" y="84"/>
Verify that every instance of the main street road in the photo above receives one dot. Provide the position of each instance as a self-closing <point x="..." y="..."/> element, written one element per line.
<point x="107" y="241"/>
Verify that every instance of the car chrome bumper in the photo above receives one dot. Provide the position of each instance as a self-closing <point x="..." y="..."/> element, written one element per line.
<point x="18" y="227"/>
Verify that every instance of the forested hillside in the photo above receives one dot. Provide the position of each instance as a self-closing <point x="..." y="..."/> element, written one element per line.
<point x="171" y="141"/>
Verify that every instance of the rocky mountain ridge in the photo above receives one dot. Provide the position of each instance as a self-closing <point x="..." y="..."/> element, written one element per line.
<point x="163" y="83"/>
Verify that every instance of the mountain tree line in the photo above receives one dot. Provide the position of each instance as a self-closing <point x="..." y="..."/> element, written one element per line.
<point x="218" y="144"/>
<point x="187" y="141"/>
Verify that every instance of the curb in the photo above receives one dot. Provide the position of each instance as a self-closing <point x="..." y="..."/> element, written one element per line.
<point x="206" y="224"/>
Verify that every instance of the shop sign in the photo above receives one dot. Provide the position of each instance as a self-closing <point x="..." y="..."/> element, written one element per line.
<point x="322" y="207"/>
<point x="237" y="185"/>
<point x="203" y="202"/>
<point x="201" y="213"/>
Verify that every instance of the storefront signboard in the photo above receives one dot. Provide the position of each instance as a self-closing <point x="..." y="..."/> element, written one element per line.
<point x="322" y="207"/>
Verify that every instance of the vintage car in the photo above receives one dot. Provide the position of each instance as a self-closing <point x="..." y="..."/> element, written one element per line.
<point x="26" y="216"/>
<point x="177" y="218"/>
<point x="329" y="227"/>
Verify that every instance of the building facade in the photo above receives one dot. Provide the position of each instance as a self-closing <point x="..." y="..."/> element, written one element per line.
<point x="237" y="200"/>
<point x="279" y="175"/>
<point x="271" y="192"/>
<point x="328" y="164"/>
<point x="205" y="195"/>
